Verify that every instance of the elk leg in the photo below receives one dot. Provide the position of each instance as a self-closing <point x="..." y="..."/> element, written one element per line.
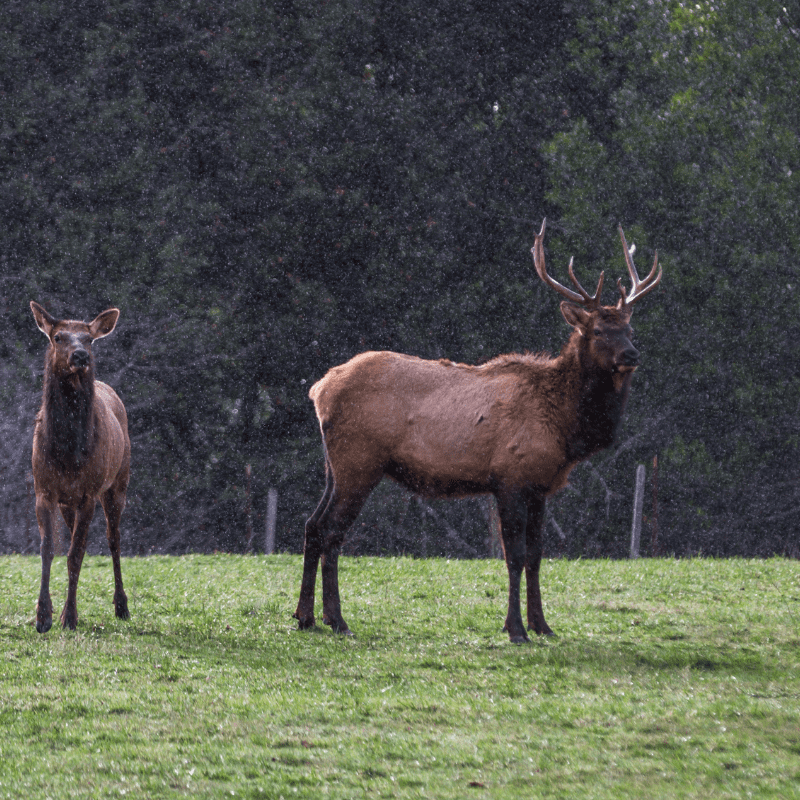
<point x="312" y="549"/>
<point x="513" y="514"/>
<point x="343" y="509"/>
<point x="80" y="536"/>
<point x="68" y="513"/>
<point x="331" y="602"/>
<point x="533" y="558"/>
<point x="113" y="505"/>
<point x="45" y="516"/>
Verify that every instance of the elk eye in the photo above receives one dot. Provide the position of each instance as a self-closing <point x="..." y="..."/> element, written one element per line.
<point x="57" y="338"/>
<point x="598" y="332"/>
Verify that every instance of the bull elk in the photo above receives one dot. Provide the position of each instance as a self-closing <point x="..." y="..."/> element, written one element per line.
<point x="81" y="454"/>
<point x="513" y="427"/>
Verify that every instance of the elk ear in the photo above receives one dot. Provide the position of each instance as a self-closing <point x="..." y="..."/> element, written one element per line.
<point x="44" y="322"/>
<point x="576" y="316"/>
<point x="103" y="323"/>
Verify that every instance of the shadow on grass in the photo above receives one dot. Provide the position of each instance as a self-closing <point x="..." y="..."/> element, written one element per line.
<point x="263" y="642"/>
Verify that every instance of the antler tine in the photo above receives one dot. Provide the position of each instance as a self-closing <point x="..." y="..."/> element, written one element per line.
<point x="639" y="288"/>
<point x="582" y="297"/>
<point x="590" y="299"/>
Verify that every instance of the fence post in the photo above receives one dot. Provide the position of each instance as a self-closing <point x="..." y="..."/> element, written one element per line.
<point x="654" y="511"/>
<point x="272" y="518"/>
<point x="248" y="506"/>
<point x="638" y="500"/>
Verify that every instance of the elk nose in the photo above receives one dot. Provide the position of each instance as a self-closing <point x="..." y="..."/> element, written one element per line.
<point x="80" y="358"/>
<point x="630" y="357"/>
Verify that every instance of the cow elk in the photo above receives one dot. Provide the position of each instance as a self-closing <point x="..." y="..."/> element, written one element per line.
<point x="81" y="454"/>
<point x="513" y="427"/>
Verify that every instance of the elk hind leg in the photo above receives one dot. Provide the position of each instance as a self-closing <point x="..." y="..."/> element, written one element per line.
<point x="312" y="550"/>
<point x="77" y="550"/>
<point x="533" y="559"/>
<point x="342" y="511"/>
<point x="113" y="502"/>
<point x="45" y="516"/>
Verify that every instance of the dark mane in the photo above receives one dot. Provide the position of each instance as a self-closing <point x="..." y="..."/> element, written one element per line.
<point x="66" y="416"/>
<point x="600" y="411"/>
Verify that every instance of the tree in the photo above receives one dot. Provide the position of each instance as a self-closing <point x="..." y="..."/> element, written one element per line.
<point x="700" y="161"/>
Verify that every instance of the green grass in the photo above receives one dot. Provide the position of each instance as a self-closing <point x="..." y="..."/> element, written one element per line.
<point x="665" y="679"/>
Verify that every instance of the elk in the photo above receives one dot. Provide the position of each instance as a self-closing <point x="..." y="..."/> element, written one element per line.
<point x="513" y="427"/>
<point x="81" y="454"/>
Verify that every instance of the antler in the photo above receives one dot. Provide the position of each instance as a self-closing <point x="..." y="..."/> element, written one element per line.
<point x="584" y="298"/>
<point x="640" y="288"/>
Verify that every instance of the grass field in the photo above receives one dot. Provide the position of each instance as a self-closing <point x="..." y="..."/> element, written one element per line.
<point x="665" y="679"/>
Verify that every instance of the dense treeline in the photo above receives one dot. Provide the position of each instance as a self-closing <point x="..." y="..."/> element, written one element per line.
<point x="265" y="190"/>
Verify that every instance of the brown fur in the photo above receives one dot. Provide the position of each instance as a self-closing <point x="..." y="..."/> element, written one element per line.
<point x="81" y="454"/>
<point x="514" y="427"/>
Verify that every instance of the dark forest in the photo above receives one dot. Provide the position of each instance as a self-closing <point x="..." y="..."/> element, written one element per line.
<point x="266" y="190"/>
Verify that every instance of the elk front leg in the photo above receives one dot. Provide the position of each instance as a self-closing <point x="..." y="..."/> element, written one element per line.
<point x="80" y="536"/>
<point x="513" y="513"/>
<point x="45" y="516"/>
<point x="533" y="558"/>
<point x="113" y="505"/>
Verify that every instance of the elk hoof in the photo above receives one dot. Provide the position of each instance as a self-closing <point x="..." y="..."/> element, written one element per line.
<point x="339" y="626"/>
<point x="69" y="621"/>
<point x="42" y="626"/>
<point x="520" y="639"/>
<point x="44" y="615"/>
<point x="121" y="609"/>
<point x="304" y="623"/>
<point x="541" y="631"/>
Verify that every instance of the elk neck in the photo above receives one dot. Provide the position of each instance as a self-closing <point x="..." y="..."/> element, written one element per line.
<point x="68" y="416"/>
<point x="599" y="399"/>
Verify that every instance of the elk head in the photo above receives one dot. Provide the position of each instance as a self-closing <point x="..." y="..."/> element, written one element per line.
<point x="605" y="330"/>
<point x="71" y="341"/>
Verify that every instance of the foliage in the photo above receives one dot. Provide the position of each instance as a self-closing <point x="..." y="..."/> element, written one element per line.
<point x="267" y="190"/>
<point x="666" y="678"/>
<point x="700" y="161"/>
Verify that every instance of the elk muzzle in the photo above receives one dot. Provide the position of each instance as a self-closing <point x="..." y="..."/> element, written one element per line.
<point x="628" y="359"/>
<point x="79" y="359"/>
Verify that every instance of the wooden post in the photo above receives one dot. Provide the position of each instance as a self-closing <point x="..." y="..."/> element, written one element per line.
<point x="272" y="518"/>
<point x="248" y="507"/>
<point x="638" y="500"/>
<point x="654" y="514"/>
